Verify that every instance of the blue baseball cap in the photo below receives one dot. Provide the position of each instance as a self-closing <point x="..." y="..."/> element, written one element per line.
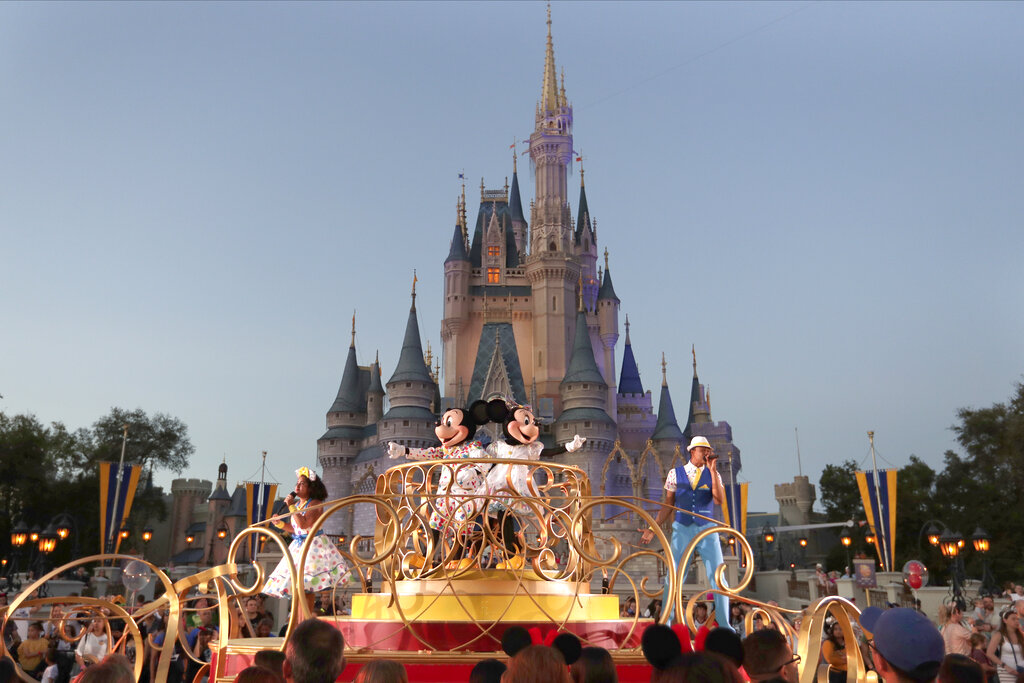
<point x="906" y="639"/>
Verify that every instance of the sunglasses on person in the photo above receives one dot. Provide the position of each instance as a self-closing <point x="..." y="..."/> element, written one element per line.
<point x="795" y="660"/>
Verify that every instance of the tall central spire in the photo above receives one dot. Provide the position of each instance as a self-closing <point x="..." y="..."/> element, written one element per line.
<point x="549" y="100"/>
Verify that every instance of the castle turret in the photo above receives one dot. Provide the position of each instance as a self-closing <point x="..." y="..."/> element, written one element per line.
<point x="584" y="400"/>
<point x="636" y="418"/>
<point x="608" y="330"/>
<point x="410" y="392"/>
<point x="667" y="434"/>
<point x="515" y="206"/>
<point x="217" y="507"/>
<point x="375" y="395"/>
<point x="457" y="273"/>
<point x="586" y="249"/>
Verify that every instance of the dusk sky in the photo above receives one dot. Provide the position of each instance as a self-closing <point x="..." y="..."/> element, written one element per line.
<point x="824" y="198"/>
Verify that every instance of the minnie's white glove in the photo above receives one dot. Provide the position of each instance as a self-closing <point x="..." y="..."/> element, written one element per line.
<point x="396" y="450"/>
<point x="575" y="444"/>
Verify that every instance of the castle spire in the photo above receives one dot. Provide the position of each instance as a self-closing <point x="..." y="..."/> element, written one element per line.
<point x="629" y="379"/>
<point x="667" y="427"/>
<point x="353" y="343"/>
<point x="693" y="350"/>
<point x="414" y="279"/>
<point x="549" y="92"/>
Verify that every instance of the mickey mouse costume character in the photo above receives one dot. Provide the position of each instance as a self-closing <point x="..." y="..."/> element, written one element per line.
<point x="462" y="489"/>
<point x="522" y="442"/>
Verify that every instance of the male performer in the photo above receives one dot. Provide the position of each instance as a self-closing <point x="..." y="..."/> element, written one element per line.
<point x="699" y="489"/>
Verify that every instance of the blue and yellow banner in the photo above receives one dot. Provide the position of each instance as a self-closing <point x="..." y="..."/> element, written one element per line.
<point x="115" y="501"/>
<point x="259" y="501"/>
<point x="880" y="507"/>
<point x="735" y="508"/>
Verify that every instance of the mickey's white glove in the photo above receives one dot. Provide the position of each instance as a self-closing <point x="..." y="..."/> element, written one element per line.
<point x="575" y="444"/>
<point x="396" y="450"/>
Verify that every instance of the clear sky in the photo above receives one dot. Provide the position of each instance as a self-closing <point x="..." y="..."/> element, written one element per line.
<point x="825" y="198"/>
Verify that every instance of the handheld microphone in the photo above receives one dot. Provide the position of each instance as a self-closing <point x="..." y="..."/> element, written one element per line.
<point x="293" y="494"/>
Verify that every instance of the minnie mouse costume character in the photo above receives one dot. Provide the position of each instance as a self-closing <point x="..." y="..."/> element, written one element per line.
<point x="522" y="442"/>
<point x="462" y="489"/>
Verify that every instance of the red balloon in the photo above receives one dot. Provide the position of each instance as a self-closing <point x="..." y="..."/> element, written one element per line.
<point x="914" y="580"/>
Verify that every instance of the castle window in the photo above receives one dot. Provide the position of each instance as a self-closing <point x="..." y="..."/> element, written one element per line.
<point x="551" y="247"/>
<point x="351" y="442"/>
<point x="493" y="275"/>
<point x="554" y="304"/>
<point x="493" y="250"/>
<point x="405" y="423"/>
<point x="586" y="386"/>
<point x="408" y="384"/>
<point x="586" y="425"/>
<point x="332" y="442"/>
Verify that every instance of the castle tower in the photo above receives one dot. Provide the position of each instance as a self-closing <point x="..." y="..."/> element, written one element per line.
<point x="584" y="401"/>
<point x="585" y="243"/>
<point x="719" y="434"/>
<point x="795" y="501"/>
<point x="551" y="271"/>
<point x="375" y="395"/>
<point x="346" y="420"/>
<point x="187" y="495"/>
<point x="457" y="273"/>
<point x="636" y="420"/>
<point x="515" y="206"/>
<point x="410" y="393"/>
<point x="218" y="504"/>
<point x="667" y="434"/>
<point x="608" y="331"/>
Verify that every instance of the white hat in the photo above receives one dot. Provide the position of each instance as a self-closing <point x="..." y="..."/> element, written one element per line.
<point x="698" y="441"/>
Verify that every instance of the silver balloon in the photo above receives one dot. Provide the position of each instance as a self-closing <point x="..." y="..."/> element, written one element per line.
<point x="135" y="576"/>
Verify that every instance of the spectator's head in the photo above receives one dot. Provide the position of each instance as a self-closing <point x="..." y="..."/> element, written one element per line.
<point x="382" y="671"/>
<point x="537" y="664"/>
<point x="834" y="633"/>
<point x="977" y="641"/>
<point x="487" y="671"/>
<point x="7" y="672"/>
<point x="257" y="674"/>
<point x="270" y="659"/>
<point x="107" y="671"/>
<point x="252" y="605"/>
<point x="725" y="642"/>
<point x="700" y="612"/>
<point x="988" y="603"/>
<point x="595" y="665"/>
<point x="314" y="653"/>
<point x="51" y="655"/>
<point x="905" y="646"/>
<point x="767" y="655"/>
<point x="1009" y="621"/>
<point x="960" y="669"/>
<point x="1019" y="590"/>
<point x="264" y="627"/>
<point x="35" y="630"/>
<point x="1019" y="607"/>
<point x="698" y="667"/>
<point x="98" y="626"/>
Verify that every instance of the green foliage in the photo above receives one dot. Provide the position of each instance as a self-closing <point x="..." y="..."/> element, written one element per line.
<point x="840" y="500"/>
<point x="45" y="471"/>
<point x="984" y="488"/>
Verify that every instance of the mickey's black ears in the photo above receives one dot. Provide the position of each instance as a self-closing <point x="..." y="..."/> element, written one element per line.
<point x="515" y="639"/>
<point x="569" y="645"/>
<point x="660" y="645"/>
<point x="497" y="411"/>
<point x="478" y="411"/>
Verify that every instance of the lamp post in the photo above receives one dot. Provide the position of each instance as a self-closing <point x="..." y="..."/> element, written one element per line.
<point x="147" y="534"/>
<point x="950" y="544"/>
<point x="847" y="540"/>
<point x="982" y="543"/>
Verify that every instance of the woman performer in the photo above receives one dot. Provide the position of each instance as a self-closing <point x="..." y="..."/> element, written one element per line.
<point x="325" y="567"/>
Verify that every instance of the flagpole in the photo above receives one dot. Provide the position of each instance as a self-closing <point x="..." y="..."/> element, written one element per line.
<point x="117" y="493"/>
<point x="881" y="530"/>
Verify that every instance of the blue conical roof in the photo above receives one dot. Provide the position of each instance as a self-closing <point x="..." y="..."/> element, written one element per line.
<point x="607" y="291"/>
<point x="515" y="203"/>
<point x="667" y="427"/>
<point x="375" y="385"/>
<point x="349" y="395"/>
<point x="629" y="378"/>
<point x="458" y="249"/>
<point x="583" y="215"/>
<point x="694" y="398"/>
<point x="411" y="366"/>
<point x="582" y="366"/>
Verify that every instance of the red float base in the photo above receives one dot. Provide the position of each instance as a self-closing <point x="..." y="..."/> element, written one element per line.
<point x="369" y="640"/>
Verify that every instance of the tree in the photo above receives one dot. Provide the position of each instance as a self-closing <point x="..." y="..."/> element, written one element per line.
<point x="838" y="492"/>
<point x="986" y="487"/>
<point x="159" y="442"/>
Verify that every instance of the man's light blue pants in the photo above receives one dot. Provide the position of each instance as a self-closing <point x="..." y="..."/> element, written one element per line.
<point x="710" y="550"/>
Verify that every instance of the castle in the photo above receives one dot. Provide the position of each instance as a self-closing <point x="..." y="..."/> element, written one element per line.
<point x="530" y="313"/>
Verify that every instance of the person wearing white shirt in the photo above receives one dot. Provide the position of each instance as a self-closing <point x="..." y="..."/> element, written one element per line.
<point x="695" y="488"/>
<point x="94" y="644"/>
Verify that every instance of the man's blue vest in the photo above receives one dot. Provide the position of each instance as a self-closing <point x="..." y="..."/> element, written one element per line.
<point x="697" y="500"/>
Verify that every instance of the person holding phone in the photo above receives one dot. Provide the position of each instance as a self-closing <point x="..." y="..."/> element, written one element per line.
<point x="695" y="487"/>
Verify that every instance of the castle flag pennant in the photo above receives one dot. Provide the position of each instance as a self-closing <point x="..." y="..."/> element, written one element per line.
<point x="116" y="496"/>
<point x="878" y="491"/>
<point x="259" y="501"/>
<point x="735" y="508"/>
